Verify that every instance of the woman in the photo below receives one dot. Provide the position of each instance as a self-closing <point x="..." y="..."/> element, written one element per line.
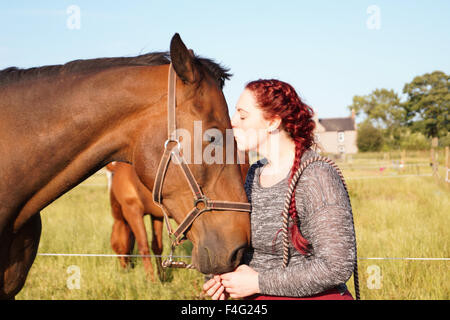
<point x="271" y="119"/>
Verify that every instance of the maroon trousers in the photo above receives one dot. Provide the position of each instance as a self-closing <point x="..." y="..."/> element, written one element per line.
<point x="332" y="294"/>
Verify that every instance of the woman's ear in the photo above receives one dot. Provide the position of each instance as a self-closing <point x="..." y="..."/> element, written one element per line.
<point x="274" y="124"/>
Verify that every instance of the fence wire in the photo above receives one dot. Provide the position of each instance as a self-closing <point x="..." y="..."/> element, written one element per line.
<point x="184" y="257"/>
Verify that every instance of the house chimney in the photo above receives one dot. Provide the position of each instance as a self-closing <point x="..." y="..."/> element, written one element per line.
<point x="353" y="118"/>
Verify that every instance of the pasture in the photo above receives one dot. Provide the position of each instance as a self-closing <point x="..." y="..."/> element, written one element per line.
<point x="398" y="212"/>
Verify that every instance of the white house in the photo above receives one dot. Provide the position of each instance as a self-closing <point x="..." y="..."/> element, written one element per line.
<point x="336" y="135"/>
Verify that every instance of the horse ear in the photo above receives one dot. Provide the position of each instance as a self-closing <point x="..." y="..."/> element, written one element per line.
<point x="183" y="60"/>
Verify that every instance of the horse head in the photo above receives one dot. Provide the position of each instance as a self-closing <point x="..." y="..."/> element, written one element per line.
<point x="203" y="125"/>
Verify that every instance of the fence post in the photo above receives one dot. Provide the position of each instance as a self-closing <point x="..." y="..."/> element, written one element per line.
<point x="446" y="157"/>
<point x="403" y="161"/>
<point x="447" y="170"/>
<point x="434" y="164"/>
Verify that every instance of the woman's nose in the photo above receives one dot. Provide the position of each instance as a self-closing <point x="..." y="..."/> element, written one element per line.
<point x="233" y="121"/>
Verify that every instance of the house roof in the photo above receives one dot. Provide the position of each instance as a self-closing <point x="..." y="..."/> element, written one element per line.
<point x="338" y="124"/>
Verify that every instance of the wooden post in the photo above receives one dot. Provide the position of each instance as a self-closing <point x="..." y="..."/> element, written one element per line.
<point x="434" y="165"/>
<point x="447" y="170"/>
<point x="403" y="161"/>
<point x="446" y="157"/>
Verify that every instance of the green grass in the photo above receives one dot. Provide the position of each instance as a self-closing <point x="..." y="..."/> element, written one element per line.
<point x="403" y="218"/>
<point x="394" y="217"/>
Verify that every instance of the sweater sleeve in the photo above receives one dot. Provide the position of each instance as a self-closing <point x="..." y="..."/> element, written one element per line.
<point x="326" y="222"/>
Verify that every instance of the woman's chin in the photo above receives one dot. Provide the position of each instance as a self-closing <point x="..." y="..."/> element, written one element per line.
<point x="241" y="148"/>
<point x="244" y="146"/>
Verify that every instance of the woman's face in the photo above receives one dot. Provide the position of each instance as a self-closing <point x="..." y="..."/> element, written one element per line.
<point x="249" y="126"/>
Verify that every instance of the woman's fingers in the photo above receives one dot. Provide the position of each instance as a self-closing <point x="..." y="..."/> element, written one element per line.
<point x="211" y="291"/>
<point x="227" y="283"/>
<point x="218" y="288"/>
<point x="218" y="293"/>
<point x="208" y="284"/>
<point x="226" y="276"/>
<point x="229" y="290"/>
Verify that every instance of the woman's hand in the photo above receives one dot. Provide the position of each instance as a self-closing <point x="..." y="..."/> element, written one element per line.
<point x="240" y="283"/>
<point x="214" y="288"/>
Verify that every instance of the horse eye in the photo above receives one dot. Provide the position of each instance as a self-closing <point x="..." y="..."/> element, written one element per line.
<point x="214" y="140"/>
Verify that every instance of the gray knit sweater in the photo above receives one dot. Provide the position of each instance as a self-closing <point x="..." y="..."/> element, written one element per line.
<point x="325" y="220"/>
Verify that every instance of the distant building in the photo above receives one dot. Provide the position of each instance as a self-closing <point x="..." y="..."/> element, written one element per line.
<point x="336" y="135"/>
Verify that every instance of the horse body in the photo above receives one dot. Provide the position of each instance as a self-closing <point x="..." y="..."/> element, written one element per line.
<point x="80" y="133"/>
<point x="75" y="140"/>
<point x="130" y="202"/>
<point x="59" y="126"/>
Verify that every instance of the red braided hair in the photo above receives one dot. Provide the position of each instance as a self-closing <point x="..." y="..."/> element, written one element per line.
<point x="274" y="98"/>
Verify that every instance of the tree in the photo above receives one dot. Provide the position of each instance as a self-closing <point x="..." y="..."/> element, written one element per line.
<point x="428" y="104"/>
<point x="383" y="109"/>
<point x="414" y="141"/>
<point x="368" y="137"/>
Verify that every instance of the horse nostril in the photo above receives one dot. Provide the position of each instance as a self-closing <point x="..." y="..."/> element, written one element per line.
<point x="219" y="261"/>
<point x="236" y="255"/>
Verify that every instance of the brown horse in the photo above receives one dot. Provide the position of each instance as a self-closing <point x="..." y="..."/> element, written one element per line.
<point x="60" y="124"/>
<point x="130" y="201"/>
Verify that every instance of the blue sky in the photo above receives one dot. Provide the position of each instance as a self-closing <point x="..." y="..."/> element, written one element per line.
<point x="328" y="50"/>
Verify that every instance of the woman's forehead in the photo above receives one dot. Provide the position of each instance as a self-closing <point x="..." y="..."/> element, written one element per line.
<point x="246" y="101"/>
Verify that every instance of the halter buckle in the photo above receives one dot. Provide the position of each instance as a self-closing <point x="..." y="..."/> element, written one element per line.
<point x="172" y="140"/>
<point x="204" y="200"/>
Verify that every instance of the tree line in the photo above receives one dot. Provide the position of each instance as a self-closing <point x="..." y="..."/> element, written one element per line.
<point x="409" y="121"/>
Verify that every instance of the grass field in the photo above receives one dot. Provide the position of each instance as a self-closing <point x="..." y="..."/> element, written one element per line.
<point x="398" y="212"/>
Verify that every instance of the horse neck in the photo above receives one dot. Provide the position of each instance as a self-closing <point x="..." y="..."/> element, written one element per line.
<point x="82" y="124"/>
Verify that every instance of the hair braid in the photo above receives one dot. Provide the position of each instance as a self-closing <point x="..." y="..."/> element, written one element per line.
<point x="299" y="242"/>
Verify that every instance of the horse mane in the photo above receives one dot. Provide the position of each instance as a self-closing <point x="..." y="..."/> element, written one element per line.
<point x="14" y="74"/>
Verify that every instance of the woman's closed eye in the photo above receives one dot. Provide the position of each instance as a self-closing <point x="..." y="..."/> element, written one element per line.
<point x="242" y="113"/>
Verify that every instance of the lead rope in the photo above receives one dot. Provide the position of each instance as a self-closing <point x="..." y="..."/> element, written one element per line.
<point x="285" y="214"/>
<point x="169" y="263"/>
